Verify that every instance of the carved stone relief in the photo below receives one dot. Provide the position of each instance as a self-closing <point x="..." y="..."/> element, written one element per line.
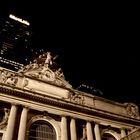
<point x="43" y="68"/>
<point x="77" y="98"/>
<point x="4" y="114"/>
<point x="3" y="76"/>
<point x="132" y="110"/>
<point x="8" y="77"/>
<point x="12" y="80"/>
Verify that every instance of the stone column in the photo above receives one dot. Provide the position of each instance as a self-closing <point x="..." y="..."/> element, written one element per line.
<point x="64" y="131"/>
<point x="11" y="123"/>
<point x="89" y="131"/>
<point x="22" y="126"/>
<point x="73" y="132"/>
<point x="123" y="134"/>
<point x="97" y="132"/>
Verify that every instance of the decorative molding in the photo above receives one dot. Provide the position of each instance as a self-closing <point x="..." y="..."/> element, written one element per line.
<point x="65" y="104"/>
<point x="111" y="132"/>
<point x="8" y="77"/>
<point x="48" y="119"/>
<point x="132" y="110"/>
<point x="44" y="68"/>
<point x="77" y="98"/>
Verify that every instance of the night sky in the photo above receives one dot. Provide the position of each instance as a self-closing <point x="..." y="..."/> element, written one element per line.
<point x="96" y="45"/>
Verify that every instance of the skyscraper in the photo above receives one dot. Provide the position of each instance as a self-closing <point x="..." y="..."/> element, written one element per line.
<point x="15" y="42"/>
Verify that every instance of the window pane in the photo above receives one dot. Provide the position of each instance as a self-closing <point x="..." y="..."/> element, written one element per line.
<point x="41" y="130"/>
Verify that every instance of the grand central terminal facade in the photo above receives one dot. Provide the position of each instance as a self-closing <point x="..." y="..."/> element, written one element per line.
<point x="37" y="103"/>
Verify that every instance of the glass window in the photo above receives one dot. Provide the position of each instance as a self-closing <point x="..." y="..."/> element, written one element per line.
<point x="42" y="130"/>
<point x="107" y="136"/>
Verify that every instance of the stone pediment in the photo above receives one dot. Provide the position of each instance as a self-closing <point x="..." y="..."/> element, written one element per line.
<point x="41" y="76"/>
<point x="43" y="68"/>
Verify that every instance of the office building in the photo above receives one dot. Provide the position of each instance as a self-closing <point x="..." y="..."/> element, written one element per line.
<point x="15" y="42"/>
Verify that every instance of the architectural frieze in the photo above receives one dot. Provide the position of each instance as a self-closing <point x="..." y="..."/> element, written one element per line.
<point x="132" y="110"/>
<point x="66" y="105"/>
<point x="35" y="81"/>
<point x="42" y="87"/>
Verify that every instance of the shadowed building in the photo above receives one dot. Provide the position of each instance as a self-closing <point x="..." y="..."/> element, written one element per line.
<point x="15" y="39"/>
<point x="37" y="103"/>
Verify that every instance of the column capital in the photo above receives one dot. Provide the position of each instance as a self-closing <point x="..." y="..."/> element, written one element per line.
<point x="96" y="122"/>
<point x="73" y="117"/>
<point x="122" y="128"/>
<point x="89" y="121"/>
<point x="14" y="104"/>
<point x="123" y="133"/>
<point x="64" y="115"/>
<point x="26" y="107"/>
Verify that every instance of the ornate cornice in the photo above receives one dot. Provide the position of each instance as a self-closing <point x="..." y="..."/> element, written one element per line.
<point x="65" y="104"/>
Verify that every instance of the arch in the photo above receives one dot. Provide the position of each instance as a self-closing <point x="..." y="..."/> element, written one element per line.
<point x="112" y="133"/>
<point x="47" y="119"/>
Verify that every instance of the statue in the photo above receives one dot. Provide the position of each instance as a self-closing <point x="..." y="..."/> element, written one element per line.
<point x="3" y="76"/>
<point x="44" y="68"/>
<point x="132" y="110"/>
<point x="84" y="133"/>
<point x="49" y="59"/>
<point x="12" y="80"/>
<point x="59" y="73"/>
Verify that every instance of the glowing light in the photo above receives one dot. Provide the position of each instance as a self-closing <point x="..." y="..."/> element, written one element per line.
<point x="19" y="19"/>
<point x="10" y="62"/>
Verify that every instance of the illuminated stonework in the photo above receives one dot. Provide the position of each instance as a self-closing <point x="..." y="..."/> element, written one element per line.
<point x="44" y="105"/>
<point x="42" y="69"/>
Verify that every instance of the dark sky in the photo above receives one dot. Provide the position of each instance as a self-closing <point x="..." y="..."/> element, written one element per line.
<point x="97" y="44"/>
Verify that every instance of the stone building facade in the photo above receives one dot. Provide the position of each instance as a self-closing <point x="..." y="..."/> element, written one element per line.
<point x="37" y="103"/>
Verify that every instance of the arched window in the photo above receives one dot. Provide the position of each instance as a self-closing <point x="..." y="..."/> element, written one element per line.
<point x="41" y="130"/>
<point x="107" y="136"/>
